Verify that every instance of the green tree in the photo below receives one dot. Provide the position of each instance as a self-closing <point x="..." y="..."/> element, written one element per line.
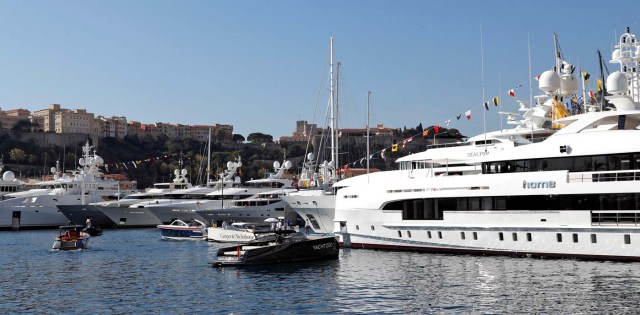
<point x="259" y="138"/>
<point x="17" y="155"/>
<point x="237" y="138"/>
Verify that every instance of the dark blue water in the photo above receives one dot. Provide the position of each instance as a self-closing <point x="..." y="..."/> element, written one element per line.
<point x="134" y="271"/>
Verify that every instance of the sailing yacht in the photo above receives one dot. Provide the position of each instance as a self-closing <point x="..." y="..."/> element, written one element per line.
<point x="574" y="194"/>
<point x="36" y="208"/>
<point x="315" y="201"/>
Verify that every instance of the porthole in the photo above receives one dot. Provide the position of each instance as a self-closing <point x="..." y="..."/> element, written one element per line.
<point x="475" y="236"/>
<point x="409" y="234"/>
<point x="462" y="236"/>
<point x="515" y="237"/>
<point x="559" y="237"/>
<point x="372" y="228"/>
<point x="429" y="234"/>
<point x="528" y="237"/>
<point x="439" y="235"/>
<point x="399" y="234"/>
<point x="357" y="228"/>
<point x="575" y="237"/>
<point x="501" y="236"/>
<point x="627" y="239"/>
<point x="594" y="238"/>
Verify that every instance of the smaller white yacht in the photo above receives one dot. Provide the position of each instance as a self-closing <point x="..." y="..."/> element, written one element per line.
<point x="119" y="207"/>
<point x="9" y="183"/>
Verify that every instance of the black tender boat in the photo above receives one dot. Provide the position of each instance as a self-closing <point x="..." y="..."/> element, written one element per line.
<point x="278" y="247"/>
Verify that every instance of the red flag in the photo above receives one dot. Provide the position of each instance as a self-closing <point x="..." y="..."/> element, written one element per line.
<point x="593" y="96"/>
<point x="436" y="128"/>
<point x="468" y="113"/>
<point x="512" y="93"/>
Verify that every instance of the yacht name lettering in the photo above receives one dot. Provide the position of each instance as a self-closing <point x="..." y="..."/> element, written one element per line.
<point x="477" y="154"/>
<point x="240" y="236"/>
<point x="323" y="246"/>
<point x="538" y="185"/>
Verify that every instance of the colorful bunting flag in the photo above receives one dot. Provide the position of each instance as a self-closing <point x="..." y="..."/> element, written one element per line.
<point x="512" y="93"/>
<point x="468" y="114"/>
<point x="585" y="76"/>
<point x="394" y="147"/>
<point x="436" y="128"/>
<point x="496" y="101"/>
<point x="458" y="117"/>
<point x="486" y="105"/>
<point x="425" y="132"/>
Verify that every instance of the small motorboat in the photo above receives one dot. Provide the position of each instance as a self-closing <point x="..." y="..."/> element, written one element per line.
<point x="237" y="232"/>
<point x="278" y="247"/>
<point x="71" y="238"/>
<point x="181" y="230"/>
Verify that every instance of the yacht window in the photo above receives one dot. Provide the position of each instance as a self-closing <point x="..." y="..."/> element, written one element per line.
<point x="575" y="237"/>
<point x="429" y="234"/>
<point x="528" y="237"/>
<point x="399" y="234"/>
<point x="409" y="234"/>
<point x="501" y="236"/>
<point x="475" y="236"/>
<point x="372" y="228"/>
<point x="559" y="237"/>
<point x="594" y="239"/>
<point x="515" y="237"/>
<point x="439" y="235"/>
<point x="462" y="236"/>
<point x="357" y="228"/>
<point x="627" y="239"/>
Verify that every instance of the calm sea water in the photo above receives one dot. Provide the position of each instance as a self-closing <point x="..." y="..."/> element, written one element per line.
<point x="134" y="271"/>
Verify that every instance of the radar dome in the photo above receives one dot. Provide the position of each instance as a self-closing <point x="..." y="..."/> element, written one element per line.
<point x="229" y="165"/>
<point x="99" y="160"/>
<point x="8" y="176"/>
<point x="276" y="164"/>
<point x="53" y="169"/>
<point x="310" y="156"/>
<point x="549" y="81"/>
<point x="568" y="85"/>
<point x="184" y="171"/>
<point x="287" y="164"/>
<point x="615" y="55"/>
<point x="567" y="68"/>
<point x="92" y="161"/>
<point x="176" y="172"/>
<point x="81" y="161"/>
<point x="617" y="83"/>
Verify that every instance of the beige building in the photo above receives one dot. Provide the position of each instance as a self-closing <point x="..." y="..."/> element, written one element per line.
<point x="9" y="118"/>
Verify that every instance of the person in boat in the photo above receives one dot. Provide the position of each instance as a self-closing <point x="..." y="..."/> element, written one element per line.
<point x="89" y="223"/>
<point x="225" y="224"/>
<point x="307" y="226"/>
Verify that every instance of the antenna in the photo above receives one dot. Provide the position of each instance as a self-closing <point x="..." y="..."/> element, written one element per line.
<point x="530" y="81"/>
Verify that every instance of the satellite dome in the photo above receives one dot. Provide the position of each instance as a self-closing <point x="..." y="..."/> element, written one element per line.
<point x="229" y="165"/>
<point x="176" y="172"/>
<point x="549" y="81"/>
<point x="287" y="164"/>
<point x="99" y="160"/>
<point x="81" y="161"/>
<point x="615" y="55"/>
<point x="8" y="176"/>
<point x="310" y="156"/>
<point x="617" y="83"/>
<point x="568" y="85"/>
<point x="276" y="165"/>
<point x="53" y="169"/>
<point x="184" y="171"/>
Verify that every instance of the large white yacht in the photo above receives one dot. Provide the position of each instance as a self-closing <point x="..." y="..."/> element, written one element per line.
<point x="36" y="208"/>
<point x="80" y="212"/>
<point x="9" y="183"/>
<point x="575" y="194"/>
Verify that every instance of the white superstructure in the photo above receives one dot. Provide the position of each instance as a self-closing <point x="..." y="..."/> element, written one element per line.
<point x="575" y="194"/>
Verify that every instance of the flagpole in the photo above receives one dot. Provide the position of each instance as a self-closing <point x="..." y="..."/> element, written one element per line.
<point x="484" y="114"/>
<point x="500" y="93"/>
<point x="368" y="112"/>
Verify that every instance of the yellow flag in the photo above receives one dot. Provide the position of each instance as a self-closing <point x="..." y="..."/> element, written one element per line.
<point x="425" y="132"/>
<point x="394" y="147"/>
<point x="599" y="87"/>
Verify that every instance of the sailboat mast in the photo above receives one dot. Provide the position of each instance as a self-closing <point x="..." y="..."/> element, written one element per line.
<point x="334" y="157"/>
<point x="208" y="158"/>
